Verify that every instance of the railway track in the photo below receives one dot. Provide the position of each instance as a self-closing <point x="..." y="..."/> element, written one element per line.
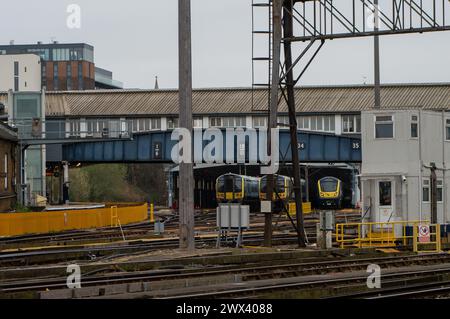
<point x="258" y="273"/>
<point x="205" y="222"/>
<point x="94" y="253"/>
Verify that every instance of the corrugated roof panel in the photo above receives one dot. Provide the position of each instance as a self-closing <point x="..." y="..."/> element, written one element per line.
<point x="325" y="99"/>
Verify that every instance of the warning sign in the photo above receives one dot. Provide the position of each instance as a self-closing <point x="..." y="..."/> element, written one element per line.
<point x="424" y="233"/>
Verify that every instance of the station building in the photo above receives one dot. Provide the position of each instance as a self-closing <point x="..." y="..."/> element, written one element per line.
<point x="335" y="110"/>
<point x="405" y="152"/>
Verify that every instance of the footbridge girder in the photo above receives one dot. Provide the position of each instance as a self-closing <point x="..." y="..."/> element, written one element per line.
<point x="156" y="147"/>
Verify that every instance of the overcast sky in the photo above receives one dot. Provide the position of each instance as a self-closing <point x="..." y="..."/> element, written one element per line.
<point x="137" y="40"/>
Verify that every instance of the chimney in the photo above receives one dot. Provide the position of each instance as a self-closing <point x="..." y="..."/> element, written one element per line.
<point x="156" y="83"/>
<point x="11" y="42"/>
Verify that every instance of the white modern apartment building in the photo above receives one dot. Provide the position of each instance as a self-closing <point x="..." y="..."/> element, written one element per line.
<point x="20" y="72"/>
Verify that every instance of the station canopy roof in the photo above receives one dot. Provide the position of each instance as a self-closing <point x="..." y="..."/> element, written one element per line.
<point x="234" y="101"/>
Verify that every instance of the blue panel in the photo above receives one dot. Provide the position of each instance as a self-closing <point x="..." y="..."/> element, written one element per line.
<point x="99" y="152"/>
<point x="144" y="144"/>
<point x="331" y="148"/>
<point x="345" y="150"/>
<point x="316" y="148"/>
<point x="118" y="151"/>
<point x="79" y="151"/>
<point x="108" y="151"/>
<point x="131" y="150"/>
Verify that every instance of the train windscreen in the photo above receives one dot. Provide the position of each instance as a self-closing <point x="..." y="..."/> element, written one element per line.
<point x="220" y="185"/>
<point x="279" y="185"/>
<point x="328" y="185"/>
<point x="226" y="183"/>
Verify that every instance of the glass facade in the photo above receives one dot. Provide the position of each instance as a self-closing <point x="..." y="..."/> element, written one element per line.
<point x="79" y="53"/>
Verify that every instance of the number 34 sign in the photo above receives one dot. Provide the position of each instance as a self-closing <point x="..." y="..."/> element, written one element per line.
<point x="424" y="233"/>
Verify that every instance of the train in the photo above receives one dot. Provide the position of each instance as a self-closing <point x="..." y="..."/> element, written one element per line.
<point x="246" y="190"/>
<point x="233" y="188"/>
<point x="330" y="193"/>
<point x="283" y="191"/>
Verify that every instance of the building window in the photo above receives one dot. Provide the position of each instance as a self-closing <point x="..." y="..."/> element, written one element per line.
<point x="426" y="191"/>
<point x="303" y="122"/>
<point x="283" y="121"/>
<point x="447" y="129"/>
<point x="6" y="171"/>
<point x="16" y="68"/>
<point x="44" y="74"/>
<point x="74" y="127"/>
<point x="91" y="127"/>
<point x="259" y="122"/>
<point x="172" y="123"/>
<point x="197" y="122"/>
<point x="142" y="125"/>
<point x="215" y="122"/>
<point x="414" y="126"/>
<point x="16" y="76"/>
<point x="316" y="123"/>
<point x="440" y="190"/>
<point x="351" y="124"/>
<point x="80" y="76"/>
<point x="55" y="76"/>
<point x="234" y="122"/>
<point x="329" y="124"/>
<point x="155" y="124"/>
<point x="384" y="126"/>
<point x="385" y="193"/>
<point x="69" y="77"/>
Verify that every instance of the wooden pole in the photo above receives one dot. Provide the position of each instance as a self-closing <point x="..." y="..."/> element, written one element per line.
<point x="186" y="202"/>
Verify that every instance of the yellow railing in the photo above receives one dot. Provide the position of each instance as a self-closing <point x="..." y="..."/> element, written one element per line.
<point x="14" y="224"/>
<point x="374" y="234"/>
<point x="436" y="243"/>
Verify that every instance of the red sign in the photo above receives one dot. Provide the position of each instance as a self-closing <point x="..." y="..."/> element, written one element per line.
<point x="424" y="233"/>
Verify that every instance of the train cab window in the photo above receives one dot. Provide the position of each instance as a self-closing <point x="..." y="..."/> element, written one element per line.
<point x="237" y="185"/>
<point x="385" y="193"/>
<point x="220" y="185"/>
<point x="280" y="185"/>
<point x="328" y="185"/>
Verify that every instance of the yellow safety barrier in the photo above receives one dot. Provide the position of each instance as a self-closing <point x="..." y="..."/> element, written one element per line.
<point x="16" y="224"/>
<point x="433" y="243"/>
<point x="380" y="234"/>
<point x="307" y="208"/>
<point x="114" y="216"/>
<point x="152" y="213"/>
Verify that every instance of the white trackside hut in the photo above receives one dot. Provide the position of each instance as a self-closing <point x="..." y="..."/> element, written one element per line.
<point x="399" y="148"/>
